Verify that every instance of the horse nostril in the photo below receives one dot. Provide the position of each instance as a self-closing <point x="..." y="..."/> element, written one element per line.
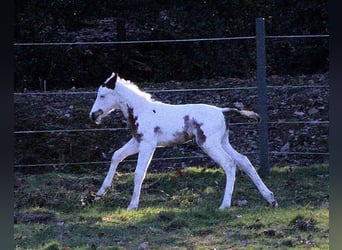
<point x="96" y="114"/>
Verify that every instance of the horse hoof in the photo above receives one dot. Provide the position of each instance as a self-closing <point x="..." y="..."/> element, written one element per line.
<point x="274" y="204"/>
<point x="130" y="208"/>
<point x="98" y="197"/>
<point x="222" y="208"/>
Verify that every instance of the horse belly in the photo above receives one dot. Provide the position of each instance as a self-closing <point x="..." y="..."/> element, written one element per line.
<point x="178" y="137"/>
<point x="171" y="135"/>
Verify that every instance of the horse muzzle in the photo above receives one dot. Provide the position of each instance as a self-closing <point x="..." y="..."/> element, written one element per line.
<point x="96" y="116"/>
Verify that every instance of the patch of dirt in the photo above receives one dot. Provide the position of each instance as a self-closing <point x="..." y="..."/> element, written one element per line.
<point x="38" y="216"/>
<point x="165" y="216"/>
<point x="303" y="224"/>
<point x="292" y="102"/>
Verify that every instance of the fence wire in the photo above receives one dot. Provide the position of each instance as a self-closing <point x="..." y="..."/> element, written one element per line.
<point x="118" y="129"/>
<point x="174" y="90"/>
<point x="158" y="159"/>
<point x="214" y="39"/>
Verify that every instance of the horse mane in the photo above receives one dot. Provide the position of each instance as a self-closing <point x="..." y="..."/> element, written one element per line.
<point x="134" y="88"/>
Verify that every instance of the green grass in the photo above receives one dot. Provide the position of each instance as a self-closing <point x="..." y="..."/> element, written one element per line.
<point x="178" y="210"/>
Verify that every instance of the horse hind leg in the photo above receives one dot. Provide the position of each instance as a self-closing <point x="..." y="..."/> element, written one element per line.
<point x="245" y="165"/>
<point x="218" y="154"/>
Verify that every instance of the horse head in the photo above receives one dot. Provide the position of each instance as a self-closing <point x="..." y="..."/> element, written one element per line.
<point x="105" y="101"/>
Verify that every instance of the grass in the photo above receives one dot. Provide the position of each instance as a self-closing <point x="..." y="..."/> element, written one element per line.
<point x="178" y="210"/>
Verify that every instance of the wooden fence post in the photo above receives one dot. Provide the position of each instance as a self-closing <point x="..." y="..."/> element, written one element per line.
<point x="262" y="96"/>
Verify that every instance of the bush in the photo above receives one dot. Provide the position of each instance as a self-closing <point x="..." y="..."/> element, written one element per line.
<point x="82" y="66"/>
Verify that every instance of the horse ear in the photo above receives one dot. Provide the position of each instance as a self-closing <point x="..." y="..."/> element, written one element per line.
<point x="111" y="81"/>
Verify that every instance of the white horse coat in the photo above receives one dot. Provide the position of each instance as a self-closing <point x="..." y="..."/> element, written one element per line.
<point x="155" y="124"/>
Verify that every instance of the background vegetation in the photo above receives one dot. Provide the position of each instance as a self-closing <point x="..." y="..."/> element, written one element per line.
<point x="83" y="66"/>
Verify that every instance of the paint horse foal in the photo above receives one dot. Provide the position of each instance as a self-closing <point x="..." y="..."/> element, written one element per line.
<point x="155" y="124"/>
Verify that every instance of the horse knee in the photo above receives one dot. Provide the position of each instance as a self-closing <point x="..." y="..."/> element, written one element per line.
<point x="230" y="170"/>
<point x="243" y="163"/>
<point x="117" y="156"/>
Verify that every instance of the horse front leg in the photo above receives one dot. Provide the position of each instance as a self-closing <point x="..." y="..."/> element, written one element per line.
<point x="144" y="158"/>
<point x="130" y="148"/>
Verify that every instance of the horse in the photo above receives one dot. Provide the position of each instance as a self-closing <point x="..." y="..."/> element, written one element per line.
<point x="156" y="124"/>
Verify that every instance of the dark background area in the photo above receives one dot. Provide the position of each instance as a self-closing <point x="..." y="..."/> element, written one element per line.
<point x="62" y="67"/>
<point x="291" y="62"/>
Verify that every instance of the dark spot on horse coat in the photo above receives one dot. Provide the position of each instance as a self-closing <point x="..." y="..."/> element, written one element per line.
<point x="133" y="124"/>
<point x="157" y="130"/>
<point x="186" y="119"/>
<point x="181" y="137"/>
<point x="110" y="82"/>
<point x="200" y="136"/>
<point x="154" y="111"/>
<point x="192" y="127"/>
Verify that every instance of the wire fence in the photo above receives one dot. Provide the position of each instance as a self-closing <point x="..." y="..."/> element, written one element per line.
<point x="201" y="156"/>
<point x="163" y="91"/>
<point x="23" y="132"/>
<point x="171" y="90"/>
<point x="191" y="40"/>
<point x="126" y="129"/>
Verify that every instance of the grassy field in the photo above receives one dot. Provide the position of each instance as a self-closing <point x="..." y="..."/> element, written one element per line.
<point x="178" y="210"/>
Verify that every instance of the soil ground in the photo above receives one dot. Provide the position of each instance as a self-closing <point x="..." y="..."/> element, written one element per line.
<point x="296" y="106"/>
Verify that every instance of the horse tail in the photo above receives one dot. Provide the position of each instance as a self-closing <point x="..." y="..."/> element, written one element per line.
<point x="246" y="113"/>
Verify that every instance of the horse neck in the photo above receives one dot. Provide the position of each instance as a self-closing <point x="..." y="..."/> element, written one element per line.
<point x="131" y="97"/>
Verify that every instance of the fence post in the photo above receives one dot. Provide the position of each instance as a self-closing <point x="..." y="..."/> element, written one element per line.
<point x="262" y="96"/>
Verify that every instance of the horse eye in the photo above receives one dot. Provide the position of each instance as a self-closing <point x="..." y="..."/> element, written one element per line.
<point x="102" y="96"/>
